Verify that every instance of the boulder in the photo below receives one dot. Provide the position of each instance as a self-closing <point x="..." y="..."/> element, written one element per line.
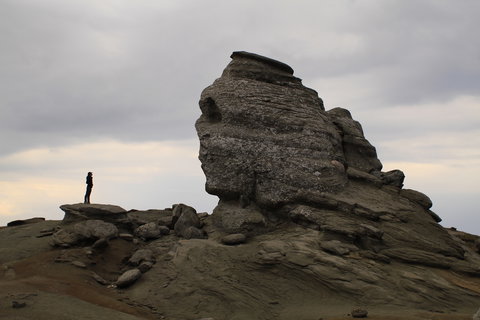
<point x="95" y="229"/>
<point x="417" y="197"/>
<point x="80" y="212"/>
<point x="84" y="232"/>
<point x="140" y="256"/>
<point x="232" y="218"/>
<point x="186" y="222"/>
<point x="234" y="239"/>
<point x="148" y="231"/>
<point x="128" y="278"/>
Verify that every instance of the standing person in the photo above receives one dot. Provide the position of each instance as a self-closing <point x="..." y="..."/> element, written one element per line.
<point x="89" y="183"/>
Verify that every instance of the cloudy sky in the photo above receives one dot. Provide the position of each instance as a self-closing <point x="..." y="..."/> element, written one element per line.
<point x="113" y="86"/>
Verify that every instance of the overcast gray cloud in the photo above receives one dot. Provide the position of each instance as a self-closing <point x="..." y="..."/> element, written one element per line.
<point x="78" y="72"/>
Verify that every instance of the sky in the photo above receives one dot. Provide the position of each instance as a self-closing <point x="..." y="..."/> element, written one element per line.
<point x="113" y="86"/>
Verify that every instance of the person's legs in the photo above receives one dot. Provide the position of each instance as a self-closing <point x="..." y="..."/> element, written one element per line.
<point x="87" y="195"/>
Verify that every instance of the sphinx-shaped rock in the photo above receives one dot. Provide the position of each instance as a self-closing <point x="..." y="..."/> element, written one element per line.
<point x="271" y="152"/>
<point x="266" y="138"/>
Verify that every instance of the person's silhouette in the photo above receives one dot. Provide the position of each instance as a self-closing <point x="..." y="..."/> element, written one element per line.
<point x="89" y="183"/>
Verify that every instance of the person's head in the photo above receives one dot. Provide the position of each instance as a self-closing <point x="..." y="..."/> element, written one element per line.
<point x="90" y="174"/>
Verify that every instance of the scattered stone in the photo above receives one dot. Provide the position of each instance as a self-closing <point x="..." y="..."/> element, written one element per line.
<point x="18" y="305"/>
<point x="233" y="239"/>
<point x="145" y="266"/>
<point x="148" y="231"/>
<point x="86" y="231"/>
<point x="79" y="264"/>
<point x="187" y="224"/>
<point x="126" y="236"/>
<point x="99" y="279"/>
<point x="64" y="238"/>
<point x="231" y="218"/>
<point x="95" y="229"/>
<point x="141" y="255"/>
<point x="100" y="244"/>
<point x="359" y="313"/>
<point x="128" y="278"/>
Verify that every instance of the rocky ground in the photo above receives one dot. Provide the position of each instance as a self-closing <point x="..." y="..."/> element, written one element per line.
<point x="278" y="274"/>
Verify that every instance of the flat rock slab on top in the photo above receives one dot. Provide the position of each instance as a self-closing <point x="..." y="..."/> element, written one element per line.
<point x="79" y="212"/>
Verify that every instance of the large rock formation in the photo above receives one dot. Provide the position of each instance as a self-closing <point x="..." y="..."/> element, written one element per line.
<point x="307" y="227"/>
<point x="270" y="150"/>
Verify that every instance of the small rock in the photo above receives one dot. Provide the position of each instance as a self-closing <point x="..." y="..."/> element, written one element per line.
<point x="100" y="244"/>
<point x="18" y="305"/>
<point x="145" y="266"/>
<point x="233" y="239"/>
<point x="126" y="236"/>
<point x="99" y="279"/>
<point x="128" y="278"/>
<point x="148" y="231"/>
<point x="359" y="313"/>
<point x="140" y="256"/>
<point x="79" y="264"/>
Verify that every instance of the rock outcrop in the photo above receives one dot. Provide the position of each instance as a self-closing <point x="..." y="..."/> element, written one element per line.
<point x="273" y="155"/>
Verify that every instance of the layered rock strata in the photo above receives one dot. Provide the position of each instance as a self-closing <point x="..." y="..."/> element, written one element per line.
<point x="273" y="155"/>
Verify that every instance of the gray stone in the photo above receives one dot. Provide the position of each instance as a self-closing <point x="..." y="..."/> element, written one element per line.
<point x="145" y="266"/>
<point x="79" y="212"/>
<point x="99" y="279"/>
<point x="148" y="231"/>
<point x="79" y="264"/>
<point x="95" y="229"/>
<point x="64" y="238"/>
<point x="100" y="244"/>
<point x="232" y="218"/>
<point x="128" y="278"/>
<point x="140" y="256"/>
<point x="233" y="239"/>
<point x="417" y="197"/>
<point x="193" y="233"/>
<point x="126" y="236"/>
<point x="187" y="223"/>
